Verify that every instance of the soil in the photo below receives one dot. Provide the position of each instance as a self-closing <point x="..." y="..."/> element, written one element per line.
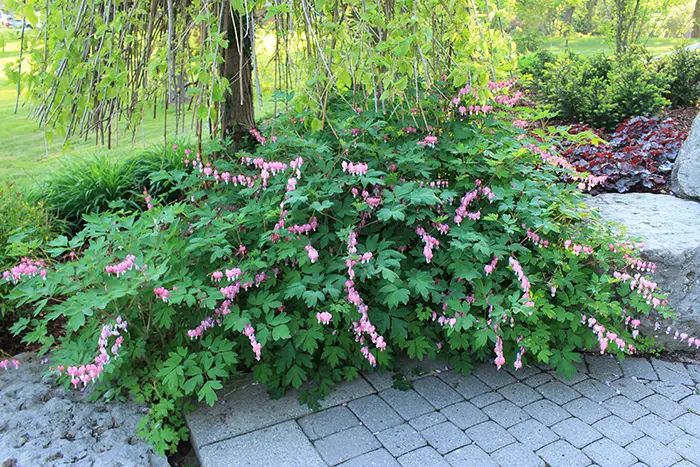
<point x="684" y="116"/>
<point x="10" y="345"/>
<point x="184" y="457"/>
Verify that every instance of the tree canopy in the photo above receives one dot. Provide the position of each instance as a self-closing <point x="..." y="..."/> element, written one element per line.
<point x="99" y="64"/>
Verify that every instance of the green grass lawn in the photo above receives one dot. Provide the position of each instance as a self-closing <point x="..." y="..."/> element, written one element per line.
<point x="26" y="155"/>
<point x="592" y="45"/>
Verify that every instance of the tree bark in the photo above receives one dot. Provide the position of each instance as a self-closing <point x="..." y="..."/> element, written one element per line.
<point x="590" y="10"/>
<point x="237" y="113"/>
<point x="696" y="19"/>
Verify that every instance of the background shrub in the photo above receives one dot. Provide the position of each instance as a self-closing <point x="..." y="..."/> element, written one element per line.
<point x="533" y="64"/>
<point x="683" y="68"/>
<point x="601" y="91"/>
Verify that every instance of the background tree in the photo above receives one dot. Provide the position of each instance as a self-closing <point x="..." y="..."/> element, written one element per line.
<point x="101" y="67"/>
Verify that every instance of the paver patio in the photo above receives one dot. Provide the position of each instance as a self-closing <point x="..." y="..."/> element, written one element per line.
<point x="636" y="412"/>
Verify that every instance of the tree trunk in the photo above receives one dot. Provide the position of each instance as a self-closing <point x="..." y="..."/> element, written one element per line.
<point x="696" y="19"/>
<point x="590" y="10"/>
<point x="567" y="16"/>
<point x="237" y="113"/>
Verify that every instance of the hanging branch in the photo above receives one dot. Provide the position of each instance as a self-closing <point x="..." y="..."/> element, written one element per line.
<point x="21" y="51"/>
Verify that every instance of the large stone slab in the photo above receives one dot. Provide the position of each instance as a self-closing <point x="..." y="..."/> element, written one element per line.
<point x="245" y="406"/>
<point x="42" y="423"/>
<point x="670" y="229"/>
<point x="685" y="177"/>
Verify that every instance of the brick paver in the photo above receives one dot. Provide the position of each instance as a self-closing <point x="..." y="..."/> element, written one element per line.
<point x="587" y="410"/>
<point x="401" y="439"/>
<point x="445" y="437"/>
<point x="409" y="404"/>
<point x="631" y="413"/>
<point x="633" y="388"/>
<point x="464" y="415"/>
<point x="376" y="414"/>
<point x="658" y="428"/>
<point x="608" y="454"/>
<point x="562" y="454"/>
<point x="490" y="436"/>
<point x="618" y="430"/>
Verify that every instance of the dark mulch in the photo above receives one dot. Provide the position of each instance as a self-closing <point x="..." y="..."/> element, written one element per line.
<point x="684" y="117"/>
<point x="184" y="457"/>
<point x="10" y="345"/>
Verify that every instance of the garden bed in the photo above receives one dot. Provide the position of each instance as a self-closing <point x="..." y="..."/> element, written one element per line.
<point x="637" y="156"/>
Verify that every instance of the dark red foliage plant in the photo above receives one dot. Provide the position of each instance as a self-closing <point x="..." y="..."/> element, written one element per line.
<point x="638" y="156"/>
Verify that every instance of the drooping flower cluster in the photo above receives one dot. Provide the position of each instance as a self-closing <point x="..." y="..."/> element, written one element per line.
<point x="296" y="165"/>
<point x="359" y="168"/>
<point x="489" y="268"/>
<point x="500" y="359"/>
<point x="429" y="241"/>
<point x="147" y="199"/>
<point x="274" y="167"/>
<point x="162" y="293"/>
<point x="206" y="323"/>
<point x="678" y="335"/>
<point x="313" y="254"/>
<point x="372" y="201"/>
<point x="462" y="212"/>
<point x="257" y="135"/>
<point x="508" y="101"/>
<point x="475" y="109"/>
<point x="605" y="337"/>
<point x="89" y="373"/>
<point x="310" y="226"/>
<point x="26" y="268"/>
<point x="435" y="184"/>
<point x="520" y="123"/>
<point x="364" y="326"/>
<point x="267" y="169"/>
<point x="622" y="275"/>
<point x="501" y="85"/>
<point x="647" y="266"/>
<point x="578" y="249"/>
<point x="550" y="158"/>
<point x="589" y="181"/>
<point x="233" y="274"/>
<point x="535" y="238"/>
<point x="429" y="141"/>
<point x="643" y="286"/>
<point x="324" y="317"/>
<point x="5" y="364"/>
<point x="524" y="281"/>
<point x="120" y="268"/>
<point x="465" y="91"/>
<point x="230" y="292"/>
<point x="249" y="332"/>
<point x="442" y="228"/>
<point x="518" y="364"/>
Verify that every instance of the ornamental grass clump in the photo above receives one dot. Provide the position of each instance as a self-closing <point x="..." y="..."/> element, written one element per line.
<point x="430" y="231"/>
